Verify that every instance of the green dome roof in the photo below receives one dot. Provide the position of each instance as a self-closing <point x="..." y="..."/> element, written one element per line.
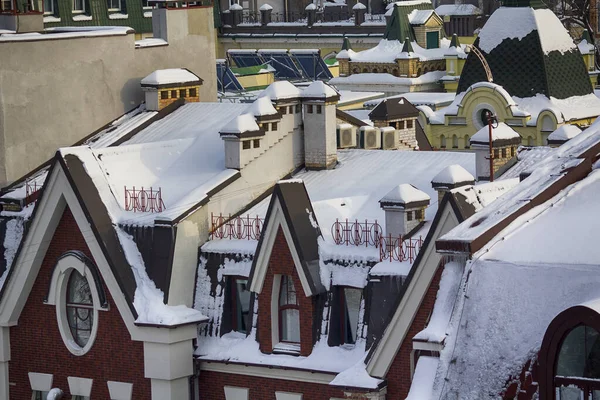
<point x="529" y="52"/>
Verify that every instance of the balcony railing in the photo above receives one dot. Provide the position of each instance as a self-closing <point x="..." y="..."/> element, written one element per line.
<point x="399" y="249"/>
<point x="240" y="227"/>
<point x="144" y="200"/>
<point x="356" y="233"/>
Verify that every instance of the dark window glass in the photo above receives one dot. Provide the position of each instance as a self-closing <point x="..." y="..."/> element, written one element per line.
<point x="80" y="308"/>
<point x="319" y="109"/>
<point x="409" y="124"/>
<point x="256" y="143"/>
<point x="409" y="216"/>
<point x="164" y="94"/>
<point x="241" y="305"/>
<point x="400" y="124"/>
<point x="289" y="313"/>
<point x="274" y="126"/>
<point x="298" y="108"/>
<point x="246" y="144"/>
<point x="309" y="109"/>
<point x="173" y="94"/>
<point x="283" y="110"/>
<point x="496" y="153"/>
<point x="291" y="109"/>
<point x="193" y="92"/>
<point x="182" y="93"/>
<point x="349" y="303"/>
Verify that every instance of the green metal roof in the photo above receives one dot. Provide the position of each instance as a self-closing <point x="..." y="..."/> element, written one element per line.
<point x="346" y="45"/>
<point x="398" y="27"/>
<point x="455" y="42"/>
<point x="524" y="70"/>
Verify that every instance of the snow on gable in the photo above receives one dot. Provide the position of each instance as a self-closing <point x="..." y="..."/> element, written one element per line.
<point x="170" y="76"/>
<point x="262" y="107"/>
<point x="241" y="123"/>
<point x="500" y="132"/>
<point x="564" y="133"/>
<point x="518" y="22"/>
<point x="281" y="90"/>
<point x="319" y="89"/>
<point x="405" y="194"/>
<point x="422" y="382"/>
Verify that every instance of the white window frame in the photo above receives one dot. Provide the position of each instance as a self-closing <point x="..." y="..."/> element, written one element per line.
<point x="57" y="296"/>
<point x="120" y="8"/>
<point x="51" y="10"/>
<point x="76" y="11"/>
<point x="10" y="5"/>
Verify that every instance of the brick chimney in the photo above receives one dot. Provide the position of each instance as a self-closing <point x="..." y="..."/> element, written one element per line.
<point x="451" y="177"/>
<point x="404" y="208"/>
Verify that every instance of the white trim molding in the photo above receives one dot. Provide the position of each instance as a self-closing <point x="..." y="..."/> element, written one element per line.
<point x="268" y="372"/>
<point x="236" y="393"/>
<point x="120" y="390"/>
<point x="41" y="382"/>
<point x="396" y="331"/>
<point x="276" y="219"/>
<point x="80" y="386"/>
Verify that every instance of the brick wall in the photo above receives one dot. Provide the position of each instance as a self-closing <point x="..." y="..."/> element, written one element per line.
<point x="398" y="377"/>
<point x="281" y="262"/>
<point x="174" y="95"/>
<point x="212" y="383"/>
<point x="36" y="344"/>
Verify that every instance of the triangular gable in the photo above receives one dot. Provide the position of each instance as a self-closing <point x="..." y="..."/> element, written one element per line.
<point x="59" y="192"/>
<point x="383" y="352"/>
<point x="291" y="210"/>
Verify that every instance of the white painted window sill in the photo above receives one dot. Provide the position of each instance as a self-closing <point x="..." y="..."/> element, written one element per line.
<point x="147" y="14"/>
<point x="82" y="17"/>
<point x="287" y="348"/>
<point x="118" y="15"/>
<point x="51" y="18"/>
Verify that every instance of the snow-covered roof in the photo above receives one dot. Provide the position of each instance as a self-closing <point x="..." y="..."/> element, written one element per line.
<point x="452" y="175"/>
<point x="235" y="6"/>
<point x="319" y="89"/>
<point x="387" y="51"/>
<point x="405" y="194"/>
<point x="240" y="124"/>
<point x="386" y="79"/>
<point x="501" y="132"/>
<point x="169" y="77"/>
<point x="359" y="6"/>
<point x="311" y="6"/>
<point x="585" y="47"/>
<point x="518" y="22"/>
<point x="564" y="133"/>
<point x="457" y="9"/>
<point x="517" y="285"/>
<point x="262" y="107"/>
<point x="265" y="7"/>
<point x="281" y="90"/>
<point x="422" y="380"/>
<point x="527" y="160"/>
<point x="345" y="54"/>
<point x="406" y="3"/>
<point x="420" y="98"/>
<point x="419" y="17"/>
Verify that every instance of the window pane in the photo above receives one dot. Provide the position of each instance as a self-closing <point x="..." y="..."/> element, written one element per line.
<point x="569" y="393"/>
<point x="352" y="297"/>
<point x="290" y="325"/>
<point x="243" y="304"/>
<point x="580" y="354"/>
<point x="79" y="289"/>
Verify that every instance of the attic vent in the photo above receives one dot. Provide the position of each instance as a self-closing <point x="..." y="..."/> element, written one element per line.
<point x="478" y="222"/>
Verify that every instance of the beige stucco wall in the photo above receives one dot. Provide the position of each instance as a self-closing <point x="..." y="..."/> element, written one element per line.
<point x="55" y="92"/>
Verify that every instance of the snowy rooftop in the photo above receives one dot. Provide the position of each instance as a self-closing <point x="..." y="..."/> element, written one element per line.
<point x="375" y="79"/>
<point x="499" y="132"/>
<point x="240" y="124"/>
<point x="453" y="174"/>
<point x="404" y="194"/>
<point x="66" y="33"/>
<point x="457" y="9"/>
<point x="170" y="76"/>
<point x="564" y="133"/>
<point x="387" y="51"/>
<point x="527" y="159"/>
<point x="281" y="90"/>
<point x="420" y="98"/>
<point x="262" y="107"/>
<point x="319" y="89"/>
<point x="518" y="22"/>
<point x="488" y="341"/>
<point x="419" y="17"/>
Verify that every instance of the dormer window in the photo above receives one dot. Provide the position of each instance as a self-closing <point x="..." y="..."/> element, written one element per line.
<point x="240" y="296"/>
<point x="289" y="312"/>
<point x="349" y="305"/>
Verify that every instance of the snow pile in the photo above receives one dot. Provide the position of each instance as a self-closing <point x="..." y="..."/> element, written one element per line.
<point x="402" y="3"/>
<point x="265" y="7"/>
<point x="481" y="195"/>
<point x="527" y="160"/>
<point x="230" y="246"/>
<point x="419" y="17"/>
<point x="261" y="107"/>
<point x="564" y="133"/>
<point x="12" y="239"/>
<point x="404" y="194"/>
<point x="148" y="299"/>
<point x="359" y="6"/>
<point x="354" y="274"/>
<point x="518" y="22"/>
<point x="311" y="6"/>
<point x="241" y="123"/>
<point x="500" y="132"/>
<point x="232" y="267"/>
<point x="585" y="47"/>
<point x="453" y="174"/>
<point x="169" y="76"/>
<point x="571" y="108"/>
<point x="391" y="268"/>
<point x="457" y="9"/>
<point x="422" y="383"/>
<point x="281" y="90"/>
<point x="207" y="302"/>
<point x="444" y="304"/>
<point x="356" y="376"/>
<point x="319" y="89"/>
<point x="346" y="54"/>
<point x="386" y="79"/>
<point x="387" y="51"/>
<point x="235" y="6"/>
<point x="236" y="347"/>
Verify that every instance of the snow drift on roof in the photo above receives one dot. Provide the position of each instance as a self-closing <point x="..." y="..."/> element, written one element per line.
<point x="281" y="90"/>
<point x="261" y="107"/>
<point x="319" y="89"/>
<point x="518" y="22"/>
<point x="387" y="51"/>
<point x="452" y="175"/>
<point x="407" y="3"/>
<point x="422" y="381"/>
<point x="419" y="17"/>
<point x="404" y="194"/>
<point x="359" y="6"/>
<point x="242" y="123"/>
<point x="169" y="76"/>
<point x="265" y="7"/>
<point x="457" y="9"/>
<point x="500" y="132"/>
<point x="564" y="133"/>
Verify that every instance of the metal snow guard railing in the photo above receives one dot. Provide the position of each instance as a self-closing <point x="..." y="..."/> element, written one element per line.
<point x="399" y="249"/>
<point x="32" y="191"/>
<point x="356" y="233"/>
<point x="240" y="227"/>
<point x="144" y="200"/>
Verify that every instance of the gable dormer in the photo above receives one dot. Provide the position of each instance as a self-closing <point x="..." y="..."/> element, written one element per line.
<point x="285" y="273"/>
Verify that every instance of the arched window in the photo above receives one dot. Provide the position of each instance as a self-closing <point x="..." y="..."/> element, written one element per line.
<point x="365" y="70"/>
<point x="385" y="71"/>
<point x="467" y="142"/>
<point x="455" y="141"/>
<point x="395" y="72"/>
<point x="375" y="70"/>
<point x="442" y="141"/>
<point x="355" y="71"/>
<point x="80" y="308"/>
<point x="578" y="365"/>
<point x="530" y="141"/>
<point x="289" y="312"/>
